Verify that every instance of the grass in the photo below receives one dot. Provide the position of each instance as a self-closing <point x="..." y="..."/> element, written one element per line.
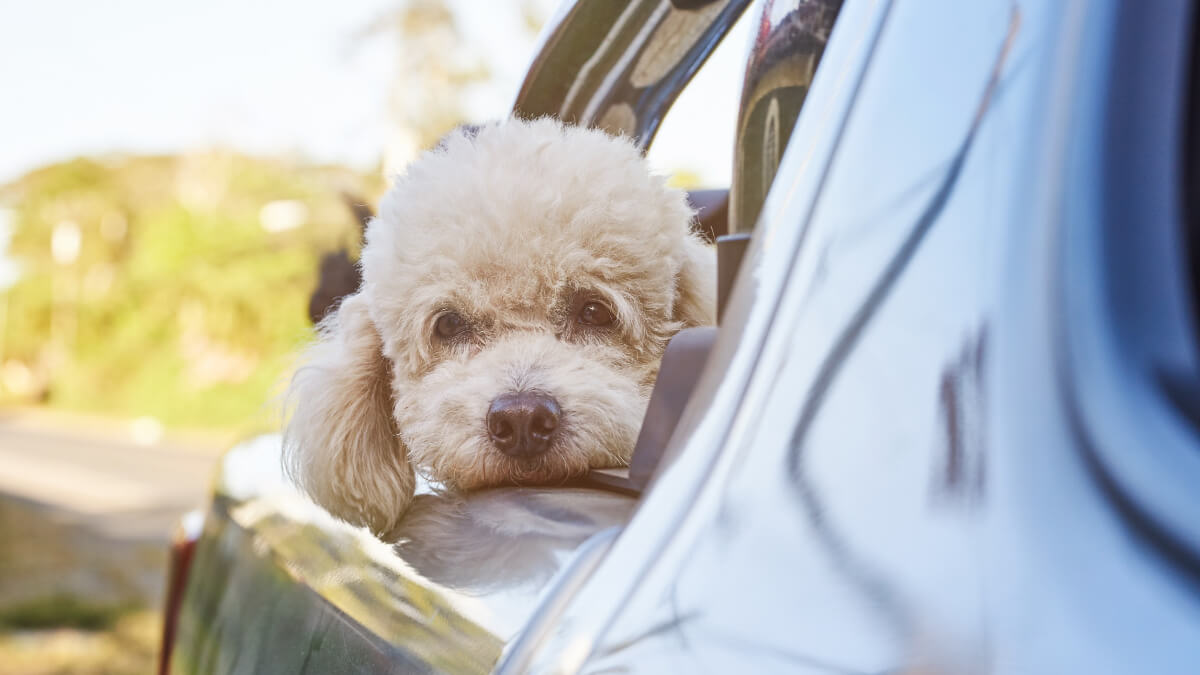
<point x="129" y="646"/>
<point x="71" y="600"/>
<point x="62" y="610"/>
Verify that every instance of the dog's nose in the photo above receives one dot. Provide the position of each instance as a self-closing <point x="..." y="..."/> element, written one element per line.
<point x="521" y="424"/>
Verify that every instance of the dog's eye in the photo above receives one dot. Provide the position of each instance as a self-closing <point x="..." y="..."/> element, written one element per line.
<point x="450" y="325"/>
<point x="595" y="314"/>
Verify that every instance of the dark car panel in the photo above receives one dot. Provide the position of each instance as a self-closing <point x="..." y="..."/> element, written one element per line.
<point x="278" y="586"/>
<point x="618" y="66"/>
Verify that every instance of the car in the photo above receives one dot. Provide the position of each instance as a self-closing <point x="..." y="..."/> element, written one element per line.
<point x="948" y="422"/>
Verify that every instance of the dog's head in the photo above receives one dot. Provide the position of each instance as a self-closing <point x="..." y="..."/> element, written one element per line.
<point x="519" y="287"/>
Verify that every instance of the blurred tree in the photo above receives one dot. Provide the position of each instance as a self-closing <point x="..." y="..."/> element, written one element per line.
<point x="176" y="286"/>
<point x="180" y="287"/>
<point x="434" y="67"/>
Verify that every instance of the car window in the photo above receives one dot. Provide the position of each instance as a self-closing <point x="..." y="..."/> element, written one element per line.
<point x="694" y="144"/>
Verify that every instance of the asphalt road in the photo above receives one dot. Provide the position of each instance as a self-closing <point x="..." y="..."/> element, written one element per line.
<point x="87" y="511"/>
<point x="102" y="480"/>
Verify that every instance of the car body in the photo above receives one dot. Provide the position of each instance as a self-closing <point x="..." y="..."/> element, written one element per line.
<point x="948" y="422"/>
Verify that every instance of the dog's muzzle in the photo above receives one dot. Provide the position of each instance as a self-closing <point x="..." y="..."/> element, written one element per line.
<point x="523" y="424"/>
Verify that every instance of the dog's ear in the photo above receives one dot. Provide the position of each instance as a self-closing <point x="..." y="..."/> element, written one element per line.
<point x="341" y="444"/>
<point x="696" y="285"/>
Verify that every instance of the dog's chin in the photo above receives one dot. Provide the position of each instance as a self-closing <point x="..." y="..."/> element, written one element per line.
<point x="541" y="470"/>
<point x="477" y="465"/>
<point x="504" y="470"/>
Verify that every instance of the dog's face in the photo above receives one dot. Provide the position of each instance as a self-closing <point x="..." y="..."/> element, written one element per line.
<point x="521" y="286"/>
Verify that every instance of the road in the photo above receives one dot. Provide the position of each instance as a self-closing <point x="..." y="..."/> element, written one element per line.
<point x="88" y="510"/>
<point x="120" y="487"/>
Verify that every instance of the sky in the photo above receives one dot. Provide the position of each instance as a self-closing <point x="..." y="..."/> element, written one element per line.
<point x="270" y="77"/>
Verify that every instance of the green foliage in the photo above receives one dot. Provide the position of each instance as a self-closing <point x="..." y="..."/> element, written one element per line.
<point x="62" y="611"/>
<point x="181" y="304"/>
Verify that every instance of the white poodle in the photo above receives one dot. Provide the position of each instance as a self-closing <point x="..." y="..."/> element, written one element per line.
<point x="519" y="287"/>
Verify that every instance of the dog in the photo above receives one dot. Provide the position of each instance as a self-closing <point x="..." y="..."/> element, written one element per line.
<point x="519" y="286"/>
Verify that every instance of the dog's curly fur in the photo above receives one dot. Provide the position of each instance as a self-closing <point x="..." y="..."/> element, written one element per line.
<point x="513" y="229"/>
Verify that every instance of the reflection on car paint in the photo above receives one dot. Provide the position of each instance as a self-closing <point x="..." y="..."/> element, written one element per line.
<point x="459" y="581"/>
<point x="959" y="477"/>
<point x="787" y="47"/>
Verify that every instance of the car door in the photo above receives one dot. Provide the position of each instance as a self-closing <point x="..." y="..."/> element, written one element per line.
<point x="902" y="480"/>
